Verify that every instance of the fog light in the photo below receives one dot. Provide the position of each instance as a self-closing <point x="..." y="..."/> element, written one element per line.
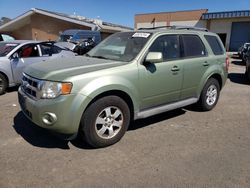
<point x="49" y="118"/>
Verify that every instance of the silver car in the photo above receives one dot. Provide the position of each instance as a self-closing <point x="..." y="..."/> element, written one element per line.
<point x="18" y="54"/>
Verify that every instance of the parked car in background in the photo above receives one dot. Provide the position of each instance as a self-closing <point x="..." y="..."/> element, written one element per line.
<point x="4" y="37"/>
<point x="79" y="41"/>
<point x="248" y="63"/>
<point x="128" y="76"/>
<point x="84" y="46"/>
<point x="77" y="35"/>
<point x="18" y="54"/>
<point x="242" y="51"/>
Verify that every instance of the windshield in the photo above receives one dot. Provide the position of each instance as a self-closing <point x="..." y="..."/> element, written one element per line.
<point x="120" y="46"/>
<point x="65" y="38"/>
<point x="6" y="48"/>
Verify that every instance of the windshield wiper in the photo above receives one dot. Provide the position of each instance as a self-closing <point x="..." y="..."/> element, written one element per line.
<point x="98" y="56"/>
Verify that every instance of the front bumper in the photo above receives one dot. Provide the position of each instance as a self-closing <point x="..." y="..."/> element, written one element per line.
<point x="67" y="108"/>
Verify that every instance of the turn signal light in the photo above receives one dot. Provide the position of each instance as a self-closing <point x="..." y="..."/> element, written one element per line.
<point x="66" y="88"/>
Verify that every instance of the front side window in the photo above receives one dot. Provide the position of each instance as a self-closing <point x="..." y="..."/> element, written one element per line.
<point x="193" y="46"/>
<point x="65" y="38"/>
<point x="120" y="46"/>
<point x="29" y="50"/>
<point x="168" y="45"/>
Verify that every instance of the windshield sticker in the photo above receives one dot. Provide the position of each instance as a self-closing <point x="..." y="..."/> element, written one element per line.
<point x="11" y="44"/>
<point x="141" y="35"/>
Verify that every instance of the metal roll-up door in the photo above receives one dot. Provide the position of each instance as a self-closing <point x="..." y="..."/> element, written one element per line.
<point x="240" y="34"/>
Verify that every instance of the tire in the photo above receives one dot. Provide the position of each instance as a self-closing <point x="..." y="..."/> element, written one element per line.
<point x="209" y="95"/>
<point x="105" y="121"/>
<point x="3" y="84"/>
<point x="247" y="73"/>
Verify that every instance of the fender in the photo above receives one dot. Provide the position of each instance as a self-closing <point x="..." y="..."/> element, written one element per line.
<point x="109" y="83"/>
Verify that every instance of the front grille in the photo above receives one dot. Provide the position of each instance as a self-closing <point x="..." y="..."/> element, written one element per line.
<point x="30" y="86"/>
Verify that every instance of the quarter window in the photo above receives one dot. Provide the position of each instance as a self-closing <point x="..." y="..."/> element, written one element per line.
<point x="214" y="44"/>
<point x="193" y="46"/>
<point x="168" y="45"/>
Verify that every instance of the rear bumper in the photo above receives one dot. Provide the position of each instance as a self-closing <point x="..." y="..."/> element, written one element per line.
<point x="67" y="109"/>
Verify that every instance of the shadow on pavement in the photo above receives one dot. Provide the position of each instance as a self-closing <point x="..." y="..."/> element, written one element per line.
<point x="35" y="135"/>
<point x="240" y="63"/>
<point x="40" y="137"/>
<point x="12" y="89"/>
<point x="238" y="78"/>
<point x="155" y="119"/>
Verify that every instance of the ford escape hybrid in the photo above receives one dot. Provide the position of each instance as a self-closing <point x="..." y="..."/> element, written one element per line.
<point x="128" y="76"/>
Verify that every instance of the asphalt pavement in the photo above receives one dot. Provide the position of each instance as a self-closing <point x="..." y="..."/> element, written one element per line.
<point x="181" y="148"/>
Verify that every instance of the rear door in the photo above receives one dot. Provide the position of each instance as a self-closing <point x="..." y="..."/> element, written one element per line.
<point x="196" y="62"/>
<point x="160" y="83"/>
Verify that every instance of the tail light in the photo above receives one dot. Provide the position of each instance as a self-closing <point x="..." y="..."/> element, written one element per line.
<point x="227" y="63"/>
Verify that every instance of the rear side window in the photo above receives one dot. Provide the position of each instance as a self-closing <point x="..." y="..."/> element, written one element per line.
<point x="214" y="44"/>
<point x="193" y="46"/>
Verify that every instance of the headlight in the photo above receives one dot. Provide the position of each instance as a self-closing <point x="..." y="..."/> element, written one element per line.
<point x="51" y="90"/>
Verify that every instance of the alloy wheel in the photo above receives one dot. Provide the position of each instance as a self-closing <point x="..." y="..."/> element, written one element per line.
<point x="109" y="122"/>
<point x="211" y="95"/>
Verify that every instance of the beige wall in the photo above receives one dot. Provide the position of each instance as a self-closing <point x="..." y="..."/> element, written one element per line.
<point x="47" y="28"/>
<point x="23" y="33"/>
<point x="43" y="28"/>
<point x="150" y="25"/>
<point x="224" y="26"/>
<point x="167" y="17"/>
<point x="192" y="23"/>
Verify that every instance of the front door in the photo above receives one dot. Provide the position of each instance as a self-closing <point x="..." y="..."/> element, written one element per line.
<point x="27" y="55"/>
<point x="160" y="83"/>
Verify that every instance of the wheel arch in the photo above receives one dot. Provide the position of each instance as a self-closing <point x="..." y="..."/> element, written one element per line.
<point x="119" y="93"/>
<point x="217" y="77"/>
<point x="6" y="77"/>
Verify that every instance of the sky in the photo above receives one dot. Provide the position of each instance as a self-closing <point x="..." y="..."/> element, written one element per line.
<point x="117" y="11"/>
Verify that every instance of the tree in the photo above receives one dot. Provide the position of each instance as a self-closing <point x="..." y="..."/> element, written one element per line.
<point x="4" y="20"/>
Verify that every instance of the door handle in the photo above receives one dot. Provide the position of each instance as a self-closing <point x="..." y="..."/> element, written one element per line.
<point x="205" y="64"/>
<point x="175" y="68"/>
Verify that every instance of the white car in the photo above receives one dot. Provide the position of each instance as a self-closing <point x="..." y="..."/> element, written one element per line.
<point x="18" y="54"/>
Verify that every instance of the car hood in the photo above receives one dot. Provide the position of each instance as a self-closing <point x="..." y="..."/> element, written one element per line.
<point x="62" y="68"/>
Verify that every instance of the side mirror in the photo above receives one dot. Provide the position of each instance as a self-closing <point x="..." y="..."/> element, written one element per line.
<point x="15" y="56"/>
<point x="154" y="57"/>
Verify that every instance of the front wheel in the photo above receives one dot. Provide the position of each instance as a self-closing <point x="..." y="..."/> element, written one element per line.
<point x="105" y="121"/>
<point x="209" y="95"/>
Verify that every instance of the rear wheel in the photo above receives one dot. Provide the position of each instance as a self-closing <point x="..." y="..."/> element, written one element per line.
<point x="3" y="84"/>
<point x="105" y="121"/>
<point x="209" y="95"/>
<point x="247" y="73"/>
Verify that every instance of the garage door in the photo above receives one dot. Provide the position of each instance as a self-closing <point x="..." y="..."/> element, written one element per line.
<point x="239" y="35"/>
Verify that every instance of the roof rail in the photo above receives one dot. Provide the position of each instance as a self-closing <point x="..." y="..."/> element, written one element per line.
<point x="176" y="27"/>
<point x="191" y="28"/>
<point x="159" y="27"/>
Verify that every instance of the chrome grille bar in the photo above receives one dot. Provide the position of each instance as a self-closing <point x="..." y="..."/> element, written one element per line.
<point x="30" y="86"/>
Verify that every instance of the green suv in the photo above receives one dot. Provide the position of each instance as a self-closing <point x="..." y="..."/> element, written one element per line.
<point x="128" y="76"/>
